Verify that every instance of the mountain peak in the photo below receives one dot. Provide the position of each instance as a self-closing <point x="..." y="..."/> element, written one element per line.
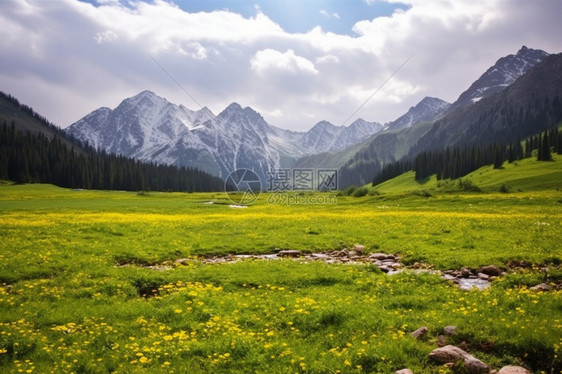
<point x="233" y="107"/>
<point x="324" y="125"/>
<point x="146" y="98"/>
<point x="146" y="93"/>
<point x="502" y="74"/>
<point x="427" y="109"/>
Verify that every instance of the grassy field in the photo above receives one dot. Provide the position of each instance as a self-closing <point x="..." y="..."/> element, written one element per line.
<point x="78" y="296"/>
<point x="523" y="175"/>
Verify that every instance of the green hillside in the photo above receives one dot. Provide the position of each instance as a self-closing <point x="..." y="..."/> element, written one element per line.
<point x="523" y="175"/>
<point x="330" y="159"/>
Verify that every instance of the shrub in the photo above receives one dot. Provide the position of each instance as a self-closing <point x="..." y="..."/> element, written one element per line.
<point x="360" y="192"/>
<point x="504" y="188"/>
<point x="349" y="190"/>
<point x="373" y="192"/>
<point x="422" y="193"/>
<point x="467" y="185"/>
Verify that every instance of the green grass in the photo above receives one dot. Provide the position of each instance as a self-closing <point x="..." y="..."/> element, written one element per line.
<point x="523" y="175"/>
<point x="406" y="183"/>
<point x="66" y="307"/>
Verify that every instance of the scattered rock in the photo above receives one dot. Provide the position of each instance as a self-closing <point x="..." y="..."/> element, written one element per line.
<point x="420" y="333"/>
<point x="289" y="253"/>
<point x="541" y="287"/>
<point x="448" y="353"/>
<point x="466" y="278"/>
<point x="513" y="264"/>
<point x="359" y="248"/>
<point x="464" y="273"/>
<point x="441" y="341"/>
<point x="483" y="276"/>
<point x="380" y="256"/>
<point x="404" y="371"/>
<point x="511" y="369"/>
<point x="491" y="270"/>
<point x="449" y="330"/>
<point x="475" y="366"/>
<point x="452" y="354"/>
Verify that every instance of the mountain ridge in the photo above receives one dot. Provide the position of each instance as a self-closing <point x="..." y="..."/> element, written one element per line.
<point x="150" y="128"/>
<point x="502" y="74"/>
<point x="383" y="148"/>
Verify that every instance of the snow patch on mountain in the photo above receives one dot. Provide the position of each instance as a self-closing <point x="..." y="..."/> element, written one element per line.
<point x="426" y="110"/>
<point x="501" y="75"/>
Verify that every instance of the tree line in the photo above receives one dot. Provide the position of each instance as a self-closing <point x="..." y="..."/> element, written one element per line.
<point x="453" y="163"/>
<point x="27" y="157"/>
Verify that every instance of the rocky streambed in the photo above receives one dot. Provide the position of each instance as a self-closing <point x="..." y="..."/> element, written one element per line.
<point x="466" y="278"/>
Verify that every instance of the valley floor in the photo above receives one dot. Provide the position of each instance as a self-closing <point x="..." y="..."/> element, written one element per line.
<point x="91" y="283"/>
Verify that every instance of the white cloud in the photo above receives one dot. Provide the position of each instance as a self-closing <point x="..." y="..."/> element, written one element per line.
<point x="326" y="14"/>
<point x="105" y="36"/>
<point x="270" y="59"/>
<point x="326" y="59"/>
<point x="66" y="58"/>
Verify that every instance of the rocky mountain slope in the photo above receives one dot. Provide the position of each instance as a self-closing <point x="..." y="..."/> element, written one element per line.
<point x="150" y="128"/>
<point x="470" y="119"/>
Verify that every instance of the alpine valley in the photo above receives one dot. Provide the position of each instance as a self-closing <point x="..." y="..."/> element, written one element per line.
<point x="147" y="127"/>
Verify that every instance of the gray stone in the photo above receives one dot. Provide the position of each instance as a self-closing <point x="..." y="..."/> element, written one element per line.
<point x="441" y="341"/>
<point x="491" y="270"/>
<point x="541" y="287"/>
<point x="448" y="353"/>
<point x="511" y="369"/>
<point x="420" y="333"/>
<point x="452" y="354"/>
<point x="465" y="272"/>
<point x="483" y="276"/>
<point x="359" y="248"/>
<point x="449" y="330"/>
<point x="475" y="366"/>
<point x="379" y="256"/>
<point x="404" y="371"/>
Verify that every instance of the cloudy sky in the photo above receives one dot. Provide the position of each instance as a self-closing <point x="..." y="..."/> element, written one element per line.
<point x="295" y="62"/>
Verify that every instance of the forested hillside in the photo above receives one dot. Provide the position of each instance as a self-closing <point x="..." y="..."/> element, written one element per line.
<point x="34" y="151"/>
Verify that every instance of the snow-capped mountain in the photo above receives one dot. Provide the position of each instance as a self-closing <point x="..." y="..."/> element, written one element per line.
<point x="450" y="126"/>
<point x="150" y="128"/>
<point x="138" y="124"/>
<point x="326" y="137"/>
<point x="501" y="75"/>
<point x="426" y="110"/>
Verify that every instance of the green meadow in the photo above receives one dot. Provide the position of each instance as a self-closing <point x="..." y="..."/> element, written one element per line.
<point x="89" y="282"/>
